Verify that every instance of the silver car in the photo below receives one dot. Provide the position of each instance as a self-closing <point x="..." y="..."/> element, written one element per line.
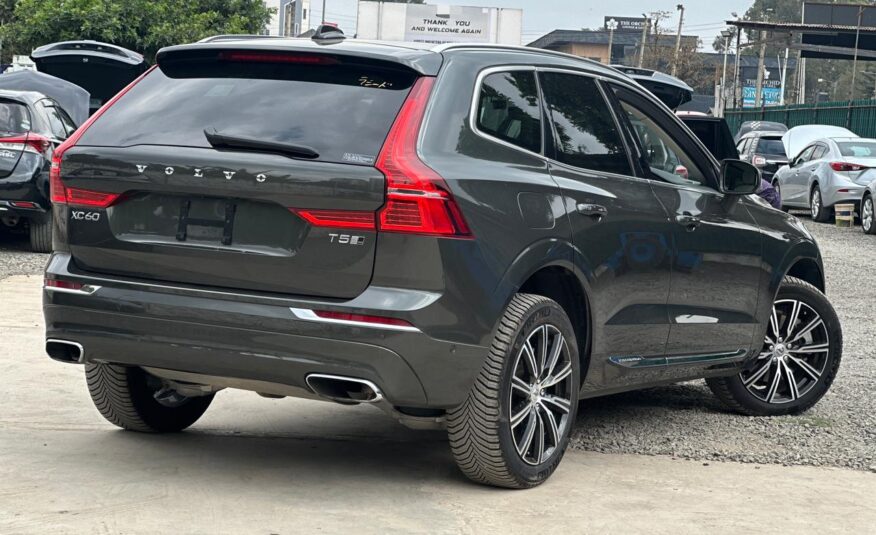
<point x="826" y="172"/>
<point x="868" y="209"/>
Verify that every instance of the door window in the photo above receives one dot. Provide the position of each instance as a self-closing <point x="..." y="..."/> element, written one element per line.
<point x="804" y="156"/>
<point x="56" y="123"/>
<point x="508" y="109"/>
<point x="585" y="132"/>
<point x="818" y="153"/>
<point x="663" y="157"/>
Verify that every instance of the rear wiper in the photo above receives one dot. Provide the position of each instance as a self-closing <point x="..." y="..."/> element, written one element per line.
<point x="228" y="141"/>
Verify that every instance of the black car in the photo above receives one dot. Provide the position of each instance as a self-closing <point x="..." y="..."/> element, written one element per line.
<point x="467" y="236"/>
<point x="31" y="126"/>
<point x="763" y="149"/>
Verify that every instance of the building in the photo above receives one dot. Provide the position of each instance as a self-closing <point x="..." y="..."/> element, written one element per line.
<point x="593" y="44"/>
<point x="431" y="23"/>
<point x="290" y="18"/>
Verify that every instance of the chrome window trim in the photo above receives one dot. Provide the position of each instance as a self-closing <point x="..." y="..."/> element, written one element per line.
<point x="306" y="314"/>
<point x="475" y="104"/>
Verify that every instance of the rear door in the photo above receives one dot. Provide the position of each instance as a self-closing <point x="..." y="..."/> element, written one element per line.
<point x="247" y="171"/>
<point x="618" y="227"/>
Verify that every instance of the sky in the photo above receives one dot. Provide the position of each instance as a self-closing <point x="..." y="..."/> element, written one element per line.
<point x="701" y="17"/>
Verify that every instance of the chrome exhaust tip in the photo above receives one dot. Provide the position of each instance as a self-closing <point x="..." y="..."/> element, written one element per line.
<point x="65" y="350"/>
<point x="347" y="390"/>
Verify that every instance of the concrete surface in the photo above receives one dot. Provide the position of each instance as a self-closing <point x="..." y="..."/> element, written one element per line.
<point x="255" y="465"/>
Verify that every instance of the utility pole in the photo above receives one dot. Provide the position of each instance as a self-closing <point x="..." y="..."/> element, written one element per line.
<point x="612" y="25"/>
<point x="736" y="68"/>
<point x="645" y="26"/>
<point x="323" y="11"/>
<point x="680" y="8"/>
<point x="726" y="34"/>
<point x="855" y="60"/>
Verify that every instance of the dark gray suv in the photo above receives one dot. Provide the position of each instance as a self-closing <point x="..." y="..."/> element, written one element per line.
<point x="476" y="237"/>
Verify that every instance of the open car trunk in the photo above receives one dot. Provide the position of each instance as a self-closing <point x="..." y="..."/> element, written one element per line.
<point x="101" y="69"/>
<point x="244" y="170"/>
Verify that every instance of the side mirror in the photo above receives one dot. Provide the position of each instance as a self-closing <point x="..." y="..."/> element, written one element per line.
<point x="739" y="178"/>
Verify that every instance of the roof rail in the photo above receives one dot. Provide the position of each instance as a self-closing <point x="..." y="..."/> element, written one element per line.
<point x="236" y="37"/>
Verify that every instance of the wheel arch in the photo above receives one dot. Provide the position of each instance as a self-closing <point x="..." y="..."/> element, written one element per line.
<point x="546" y="268"/>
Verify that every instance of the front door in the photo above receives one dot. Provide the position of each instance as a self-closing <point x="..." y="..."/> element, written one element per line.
<point x="618" y="229"/>
<point x="716" y="244"/>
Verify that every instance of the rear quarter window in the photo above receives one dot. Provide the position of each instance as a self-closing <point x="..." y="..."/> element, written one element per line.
<point x="343" y="111"/>
<point x="508" y="109"/>
<point x="14" y="118"/>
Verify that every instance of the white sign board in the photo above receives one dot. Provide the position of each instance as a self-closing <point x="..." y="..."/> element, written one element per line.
<point x="447" y="24"/>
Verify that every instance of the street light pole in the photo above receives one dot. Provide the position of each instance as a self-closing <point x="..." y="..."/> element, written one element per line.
<point x="736" y="68"/>
<point x="645" y="26"/>
<point x="323" y="11"/>
<point x="726" y="34"/>
<point x="611" y="25"/>
<point x="680" y="8"/>
<point x="855" y="60"/>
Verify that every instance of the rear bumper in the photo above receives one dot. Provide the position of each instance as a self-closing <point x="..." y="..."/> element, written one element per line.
<point x="255" y="338"/>
<point x="832" y="196"/>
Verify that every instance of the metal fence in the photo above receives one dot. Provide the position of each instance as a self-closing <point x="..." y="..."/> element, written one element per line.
<point x="859" y="116"/>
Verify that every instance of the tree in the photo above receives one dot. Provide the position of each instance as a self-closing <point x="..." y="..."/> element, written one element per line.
<point x="141" y="25"/>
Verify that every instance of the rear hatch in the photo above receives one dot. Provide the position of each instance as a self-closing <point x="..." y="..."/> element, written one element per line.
<point x="769" y="154"/>
<point x="241" y="169"/>
<point x="101" y="69"/>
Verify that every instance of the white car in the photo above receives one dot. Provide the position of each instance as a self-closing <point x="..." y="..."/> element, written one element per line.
<point x="829" y="168"/>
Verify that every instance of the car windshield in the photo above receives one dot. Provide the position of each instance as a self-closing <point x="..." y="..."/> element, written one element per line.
<point x="771" y="147"/>
<point x="857" y="149"/>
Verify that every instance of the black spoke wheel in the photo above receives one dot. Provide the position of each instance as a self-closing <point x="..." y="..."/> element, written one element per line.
<point x="798" y="360"/>
<point x="514" y="427"/>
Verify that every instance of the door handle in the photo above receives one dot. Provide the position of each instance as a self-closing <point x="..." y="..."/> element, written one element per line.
<point x="592" y="210"/>
<point x="691" y="222"/>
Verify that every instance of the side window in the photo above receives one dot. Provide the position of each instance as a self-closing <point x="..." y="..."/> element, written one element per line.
<point x="805" y="155"/>
<point x="56" y="125"/>
<point x="742" y="146"/>
<point x="663" y="158"/>
<point x="508" y="109"/>
<point x="69" y="125"/>
<point x="818" y="153"/>
<point x="585" y="132"/>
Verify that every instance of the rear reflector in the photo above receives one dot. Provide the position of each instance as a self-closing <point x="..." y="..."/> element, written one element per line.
<point x="57" y="190"/>
<point x="361" y="318"/>
<point x="64" y="285"/>
<point x="277" y="57"/>
<point x="337" y="218"/>
<point x="845" y="166"/>
<point x="418" y="200"/>
<point x="23" y="204"/>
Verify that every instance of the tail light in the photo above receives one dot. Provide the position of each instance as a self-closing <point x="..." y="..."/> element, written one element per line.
<point x="59" y="193"/>
<point x="759" y="161"/>
<point x="845" y="166"/>
<point x="418" y="200"/>
<point x="337" y="218"/>
<point x="29" y="142"/>
<point x="681" y="171"/>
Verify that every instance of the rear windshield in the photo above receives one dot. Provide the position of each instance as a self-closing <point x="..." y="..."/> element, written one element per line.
<point x="342" y="111"/>
<point x="857" y="149"/>
<point x="770" y="147"/>
<point x="14" y="118"/>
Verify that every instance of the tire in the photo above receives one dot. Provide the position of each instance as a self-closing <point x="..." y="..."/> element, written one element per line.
<point x="868" y="215"/>
<point x="779" y="191"/>
<point x="482" y="438"/>
<point x="124" y="395"/>
<point x="41" y="234"/>
<point x="763" y="387"/>
<point x="819" y="212"/>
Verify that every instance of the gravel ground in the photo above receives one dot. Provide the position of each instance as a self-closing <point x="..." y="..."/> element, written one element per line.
<point x="685" y="420"/>
<point x="15" y="255"/>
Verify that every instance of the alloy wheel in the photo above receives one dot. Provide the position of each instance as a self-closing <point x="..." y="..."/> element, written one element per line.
<point x="541" y="394"/>
<point x="794" y="355"/>
<point x="867" y="214"/>
<point x="815" y="205"/>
